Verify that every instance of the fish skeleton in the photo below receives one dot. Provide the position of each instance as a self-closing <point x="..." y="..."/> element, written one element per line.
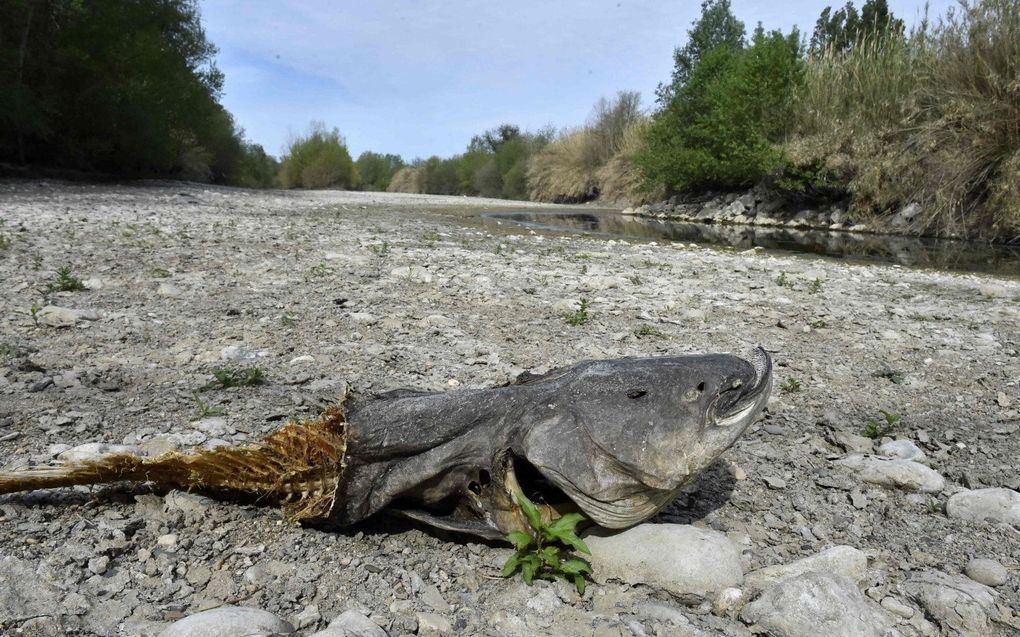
<point x="613" y="439"/>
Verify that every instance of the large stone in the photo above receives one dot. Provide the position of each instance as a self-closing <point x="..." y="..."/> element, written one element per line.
<point x="987" y="572"/>
<point x="229" y="621"/>
<point x="998" y="505"/>
<point x="94" y="450"/>
<point x="963" y="607"/>
<point x="682" y="559"/>
<point x="56" y="316"/>
<point x="902" y="449"/>
<point x="23" y="593"/>
<point x="901" y="474"/>
<point x="352" y="624"/>
<point x="838" y="560"/>
<point x="816" y="604"/>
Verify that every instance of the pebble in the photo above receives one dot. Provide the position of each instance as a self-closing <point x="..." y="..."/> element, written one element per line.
<point x="902" y="449"/>
<point x="229" y="621"/>
<point x="814" y="604"/>
<point x="352" y="624"/>
<point x="987" y="572"/>
<point x="433" y="624"/>
<point x="56" y="316"/>
<point x="680" y="558"/>
<point x="900" y="474"/>
<point x="897" y="607"/>
<point x="94" y="450"/>
<point x="996" y="504"/>
<point x="774" y="483"/>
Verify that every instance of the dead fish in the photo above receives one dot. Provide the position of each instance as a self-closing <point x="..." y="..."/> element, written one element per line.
<point x="613" y="439"/>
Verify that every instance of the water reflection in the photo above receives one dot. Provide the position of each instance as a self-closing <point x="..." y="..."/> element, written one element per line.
<point x="943" y="254"/>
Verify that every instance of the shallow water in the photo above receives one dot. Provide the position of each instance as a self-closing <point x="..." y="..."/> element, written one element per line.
<point x="940" y="254"/>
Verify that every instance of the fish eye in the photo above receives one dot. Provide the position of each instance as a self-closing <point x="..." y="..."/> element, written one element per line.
<point x="695" y="392"/>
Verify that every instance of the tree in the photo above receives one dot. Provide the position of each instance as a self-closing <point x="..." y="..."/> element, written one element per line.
<point x="318" y="160"/>
<point x="716" y="27"/>
<point x="376" y="170"/>
<point x="840" y="30"/>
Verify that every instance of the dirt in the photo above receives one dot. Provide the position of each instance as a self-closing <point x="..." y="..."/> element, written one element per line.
<point x="384" y="291"/>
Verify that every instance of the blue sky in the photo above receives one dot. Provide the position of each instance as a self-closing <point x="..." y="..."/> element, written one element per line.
<point x="420" y="77"/>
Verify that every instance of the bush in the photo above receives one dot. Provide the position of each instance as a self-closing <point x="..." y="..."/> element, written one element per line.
<point x="376" y="170"/>
<point x="407" y="179"/>
<point x="318" y="160"/>
<point x="719" y="129"/>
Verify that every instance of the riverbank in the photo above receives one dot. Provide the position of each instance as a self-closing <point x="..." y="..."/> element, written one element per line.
<point x="387" y="290"/>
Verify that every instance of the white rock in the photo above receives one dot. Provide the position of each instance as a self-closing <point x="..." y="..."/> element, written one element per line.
<point x="434" y="624"/>
<point x="309" y="616"/>
<point x="353" y="624"/>
<point x="438" y="320"/>
<point x="815" y="604"/>
<point x="987" y="572"/>
<point x="902" y="449"/>
<point x="364" y="317"/>
<point x="679" y="558"/>
<point x="298" y="360"/>
<point x="228" y="621"/>
<point x="94" y="450"/>
<point x="962" y="606"/>
<point x="902" y="474"/>
<point x="598" y="283"/>
<point x="728" y="602"/>
<point x="999" y="505"/>
<point x="894" y="605"/>
<point x="168" y="290"/>
<point x="56" y="316"/>
<point x="838" y="560"/>
<point x="239" y="353"/>
<point x="852" y="443"/>
<point x="214" y="426"/>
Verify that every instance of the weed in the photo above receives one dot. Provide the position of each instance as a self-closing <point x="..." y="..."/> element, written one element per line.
<point x="5" y="242"/>
<point x="321" y="270"/>
<point x="791" y="386"/>
<point x="781" y="280"/>
<point x="289" y="320"/>
<point x="431" y="236"/>
<point x="634" y="279"/>
<point x="819" y="324"/>
<point x="648" y="330"/>
<point x="580" y="316"/>
<point x="546" y="552"/>
<point x="816" y="287"/>
<point x="65" y="282"/>
<point x="380" y="249"/>
<point x="160" y="273"/>
<point x="34" y="313"/>
<point x="892" y="375"/>
<point x="584" y="268"/>
<point x="205" y="410"/>
<point x="876" y="430"/>
<point x="244" y="377"/>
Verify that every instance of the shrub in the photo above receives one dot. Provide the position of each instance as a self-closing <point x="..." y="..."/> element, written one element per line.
<point x="375" y="170"/>
<point x="407" y="179"/>
<point x="719" y="130"/>
<point x="318" y="160"/>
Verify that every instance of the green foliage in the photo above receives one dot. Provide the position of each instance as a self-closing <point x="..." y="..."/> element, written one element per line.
<point x="816" y="287"/>
<point x="545" y="553"/>
<point x="34" y="313"/>
<point x="791" y="386"/>
<point x="65" y="282"/>
<point x="127" y="88"/>
<point x="875" y="430"/>
<point x="844" y="28"/>
<point x="205" y="410"/>
<point x="720" y="128"/>
<point x="5" y="242"/>
<point x="376" y="170"/>
<point x="580" y="316"/>
<point x="224" y="378"/>
<point x="648" y="331"/>
<point x="716" y="28"/>
<point x="318" y="160"/>
<point x="894" y="376"/>
<point x="781" y="280"/>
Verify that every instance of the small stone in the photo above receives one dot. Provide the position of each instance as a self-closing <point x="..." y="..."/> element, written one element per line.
<point x="775" y="430"/>
<point x="852" y="443"/>
<point x="354" y="624"/>
<point x="98" y="565"/>
<point x="299" y="360"/>
<point x="167" y="541"/>
<point x="229" y="621"/>
<point x="168" y="290"/>
<point x="996" y="504"/>
<point x="433" y="624"/>
<point x="774" y="483"/>
<point x="94" y="450"/>
<point x="1003" y="400"/>
<point x="310" y="616"/>
<point x="431" y="596"/>
<point x="56" y="316"/>
<point x="963" y="606"/>
<point x="902" y="449"/>
<point x="987" y="572"/>
<point x="728" y="602"/>
<point x="897" y="607"/>
<point x="679" y="558"/>
<point x="901" y="474"/>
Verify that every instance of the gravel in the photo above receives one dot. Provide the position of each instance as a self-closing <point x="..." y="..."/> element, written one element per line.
<point x="382" y="291"/>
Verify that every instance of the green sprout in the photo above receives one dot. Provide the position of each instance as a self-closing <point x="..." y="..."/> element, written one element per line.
<point x="580" y="316"/>
<point x="648" y="330"/>
<point x="205" y="410"/>
<point x="876" y="430"/>
<point x="34" y="313"/>
<point x="816" y="287"/>
<point x="781" y="280"/>
<point x="545" y="553"/>
<point x="65" y="282"/>
<point x="244" y="377"/>
<point x="791" y="386"/>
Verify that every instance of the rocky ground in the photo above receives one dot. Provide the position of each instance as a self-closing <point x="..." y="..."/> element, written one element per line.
<point x="808" y="526"/>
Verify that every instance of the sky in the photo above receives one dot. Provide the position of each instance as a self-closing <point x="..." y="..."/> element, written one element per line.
<point x="421" y="77"/>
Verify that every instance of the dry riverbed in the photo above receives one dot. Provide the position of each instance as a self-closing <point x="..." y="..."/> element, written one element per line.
<point x="913" y="532"/>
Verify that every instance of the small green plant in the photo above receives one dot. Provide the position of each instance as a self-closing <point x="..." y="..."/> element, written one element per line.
<point x="584" y="268"/>
<point x="160" y="273"/>
<point x="289" y="320"/>
<point x="5" y="242"/>
<point x="580" y="316"/>
<point x="65" y="282"/>
<point x="34" y="313"/>
<point x="321" y="270"/>
<point x="781" y="280"/>
<point x="545" y="553"/>
<point x="205" y="410"/>
<point x="430" y="236"/>
<point x="634" y="279"/>
<point x="224" y="378"/>
<point x="876" y="430"/>
<point x="894" y="376"/>
<point x="380" y="249"/>
<point x="816" y="287"/>
<point x="819" y="324"/>
<point x="791" y="386"/>
<point x="647" y="330"/>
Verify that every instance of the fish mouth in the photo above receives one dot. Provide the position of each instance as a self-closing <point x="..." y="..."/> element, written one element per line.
<point x="745" y="399"/>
